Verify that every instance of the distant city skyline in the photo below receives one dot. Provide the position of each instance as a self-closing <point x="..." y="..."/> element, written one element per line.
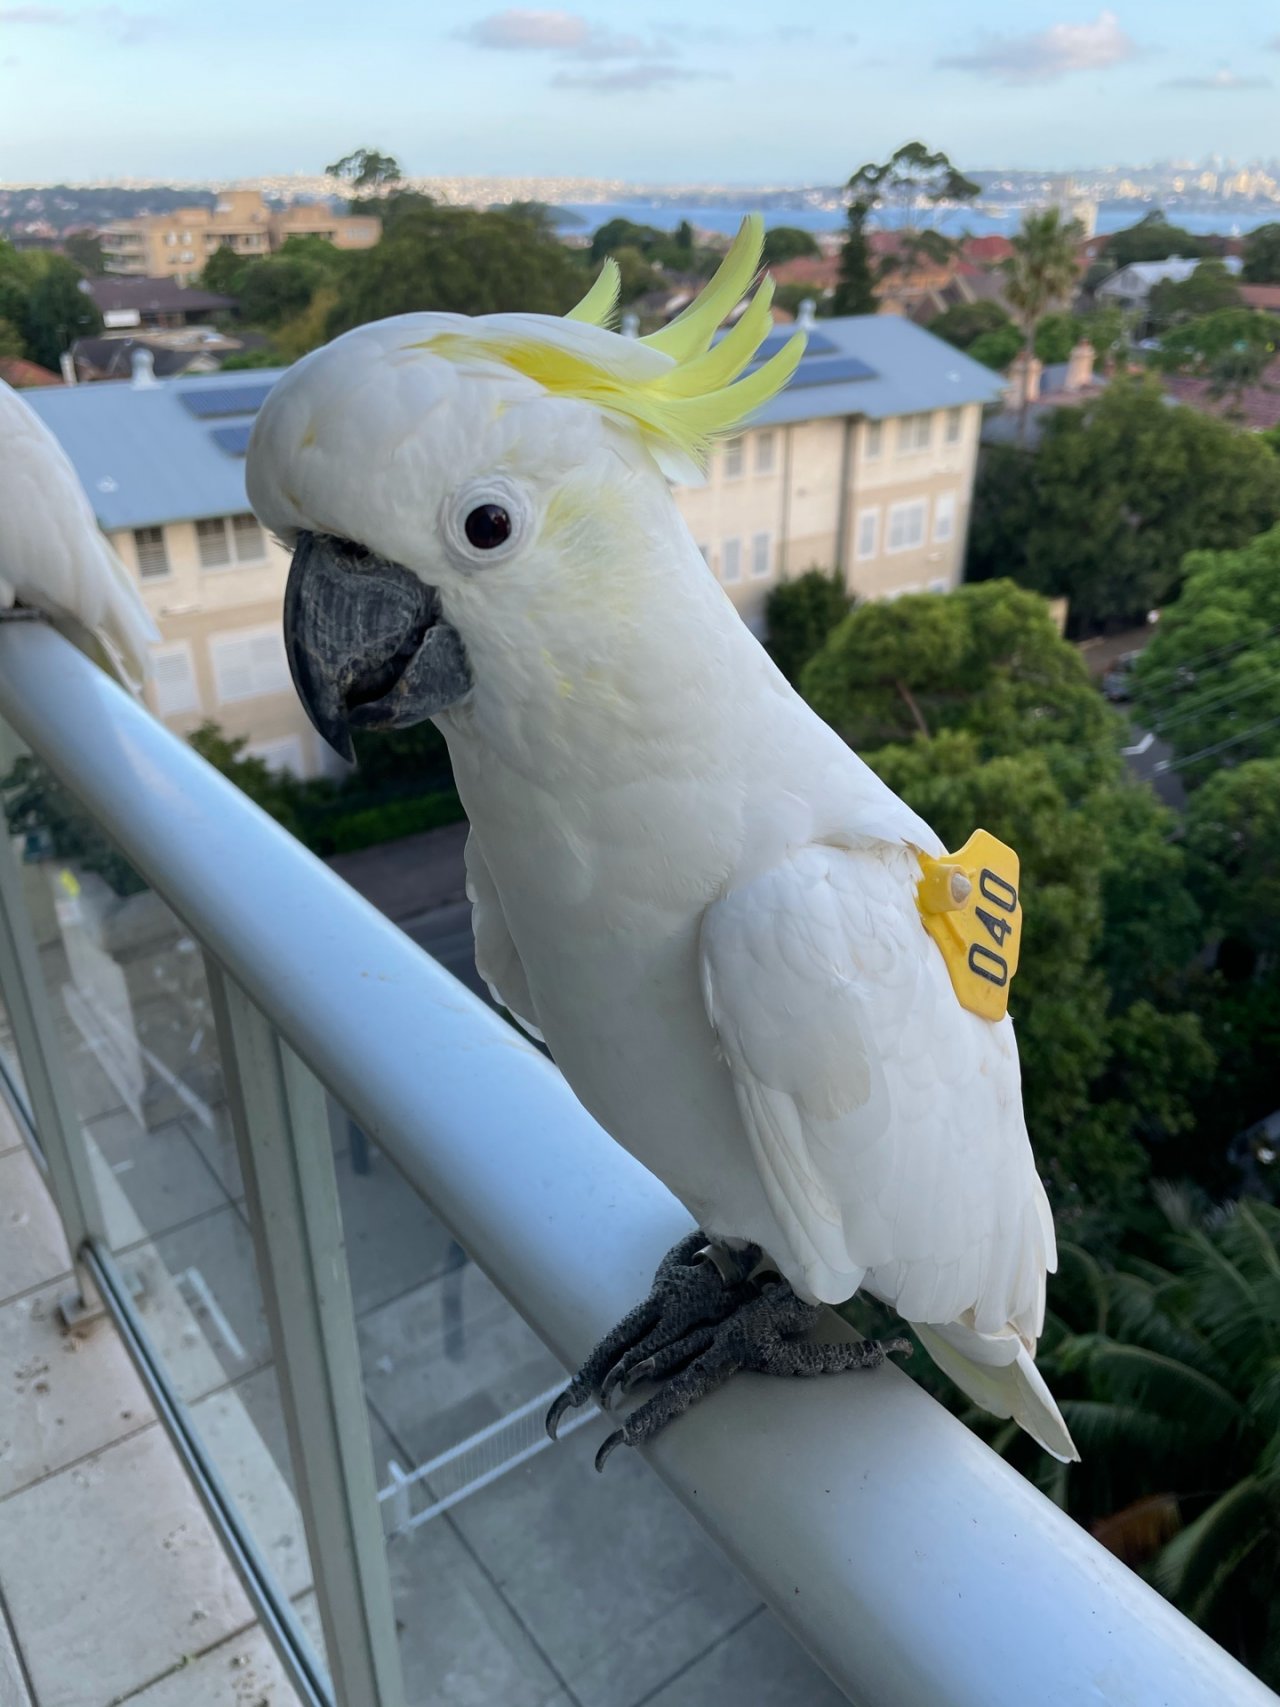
<point x="90" y="91"/>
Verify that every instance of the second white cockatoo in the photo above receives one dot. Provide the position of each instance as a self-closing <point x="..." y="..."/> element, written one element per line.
<point x="754" y="964"/>
<point x="54" y="559"/>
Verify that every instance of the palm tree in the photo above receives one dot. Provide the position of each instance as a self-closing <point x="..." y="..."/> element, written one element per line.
<point x="1041" y="276"/>
<point x="1171" y="1388"/>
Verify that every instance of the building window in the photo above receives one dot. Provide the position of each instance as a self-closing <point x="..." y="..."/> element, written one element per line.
<point x="914" y="433"/>
<point x="868" y="534"/>
<point x="153" y="559"/>
<point x="730" y="559"/>
<point x="249" y="663"/>
<point x="944" y="517"/>
<point x="174" y="679"/>
<point x="761" y="556"/>
<point x="765" y="443"/>
<point x="874" y="440"/>
<point x="250" y="545"/>
<point x="907" y="525"/>
<point x="955" y="426"/>
<point x="211" y="538"/>
<point x="733" y="460"/>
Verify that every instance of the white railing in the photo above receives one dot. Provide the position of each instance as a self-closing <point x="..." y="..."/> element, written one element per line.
<point x="912" y="1562"/>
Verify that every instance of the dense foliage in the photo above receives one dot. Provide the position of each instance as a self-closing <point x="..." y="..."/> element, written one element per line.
<point x="1262" y="255"/>
<point x="1209" y="289"/>
<point x="1154" y="239"/>
<point x="42" y="308"/>
<point x="800" y="614"/>
<point x="901" y="191"/>
<point x="1120" y="490"/>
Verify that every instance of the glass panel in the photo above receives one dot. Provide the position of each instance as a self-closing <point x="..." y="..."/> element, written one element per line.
<point x="126" y="985"/>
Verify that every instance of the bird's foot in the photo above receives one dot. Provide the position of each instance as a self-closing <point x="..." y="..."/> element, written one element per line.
<point x="709" y="1315"/>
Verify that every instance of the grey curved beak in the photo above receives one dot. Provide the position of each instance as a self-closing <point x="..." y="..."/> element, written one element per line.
<point x="367" y="645"/>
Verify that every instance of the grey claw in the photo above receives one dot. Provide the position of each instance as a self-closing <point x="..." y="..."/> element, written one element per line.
<point x="555" y="1415"/>
<point x="616" y="1376"/>
<point x="617" y="1438"/>
<point x="641" y="1372"/>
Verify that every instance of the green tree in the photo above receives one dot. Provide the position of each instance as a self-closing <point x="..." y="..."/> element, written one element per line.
<point x="84" y="248"/>
<point x="637" y="276"/>
<point x="1200" y="345"/>
<point x="1118" y="492"/>
<point x="224" y="270"/>
<point x="1211" y="677"/>
<point x="1233" y="834"/>
<point x="11" y="340"/>
<point x="786" y="243"/>
<point x="38" y="808"/>
<point x="800" y="614"/>
<point x="621" y="233"/>
<point x="1153" y="239"/>
<point x="1166" y="1369"/>
<point x="906" y="192"/>
<point x="366" y="169"/>
<point x="996" y="349"/>
<point x="1056" y="337"/>
<point x="277" y="792"/>
<point x="967" y="321"/>
<point x="1041" y="276"/>
<point x="1209" y="288"/>
<point x="56" y="311"/>
<point x="454" y="260"/>
<point x="1262" y="255"/>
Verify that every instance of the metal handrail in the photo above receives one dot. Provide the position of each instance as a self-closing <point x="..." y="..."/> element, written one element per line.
<point x="911" y="1561"/>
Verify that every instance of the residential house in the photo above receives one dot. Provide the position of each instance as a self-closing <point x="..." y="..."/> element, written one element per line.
<point x="185" y="349"/>
<point x="1049" y="386"/>
<point x="177" y="244"/>
<point x="864" y="465"/>
<point x="163" y="465"/>
<point x="1264" y="297"/>
<point x="19" y="373"/>
<point x="130" y="304"/>
<point x="1130" y="287"/>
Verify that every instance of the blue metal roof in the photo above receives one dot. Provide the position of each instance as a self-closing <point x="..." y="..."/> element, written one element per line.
<point x="174" y="451"/>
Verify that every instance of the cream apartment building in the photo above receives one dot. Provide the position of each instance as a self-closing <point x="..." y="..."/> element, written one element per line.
<point x="163" y="464"/>
<point x="864" y="465"/>
<point x="177" y="244"/>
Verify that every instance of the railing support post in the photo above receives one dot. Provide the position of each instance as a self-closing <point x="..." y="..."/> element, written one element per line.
<point x="282" y="1133"/>
<point x="53" y="1110"/>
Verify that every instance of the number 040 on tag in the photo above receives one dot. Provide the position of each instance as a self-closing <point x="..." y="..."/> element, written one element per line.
<point x="971" y="907"/>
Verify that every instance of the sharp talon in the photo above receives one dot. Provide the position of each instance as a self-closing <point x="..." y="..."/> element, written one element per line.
<point x="616" y="1377"/>
<point x="555" y="1415"/>
<point x="617" y="1438"/>
<point x="641" y="1372"/>
<point x="897" y="1345"/>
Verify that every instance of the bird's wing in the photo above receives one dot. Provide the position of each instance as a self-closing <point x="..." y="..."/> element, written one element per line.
<point x="885" y="1120"/>
<point x="53" y="556"/>
<point x="497" y="961"/>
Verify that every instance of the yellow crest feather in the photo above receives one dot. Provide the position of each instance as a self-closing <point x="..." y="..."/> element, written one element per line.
<point x="678" y="405"/>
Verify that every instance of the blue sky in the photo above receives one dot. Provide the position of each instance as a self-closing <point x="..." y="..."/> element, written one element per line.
<point x="696" y="91"/>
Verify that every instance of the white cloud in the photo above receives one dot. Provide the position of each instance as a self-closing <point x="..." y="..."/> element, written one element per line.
<point x="114" y="21"/>
<point x="1042" y="56"/>
<point x="565" y="33"/>
<point x="628" y="78"/>
<point x="1224" y="80"/>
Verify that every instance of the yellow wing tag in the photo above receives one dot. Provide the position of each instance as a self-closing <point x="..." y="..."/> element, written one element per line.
<point x="971" y="908"/>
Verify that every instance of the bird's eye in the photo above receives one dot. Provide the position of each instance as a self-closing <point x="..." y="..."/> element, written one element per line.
<point x="488" y="526"/>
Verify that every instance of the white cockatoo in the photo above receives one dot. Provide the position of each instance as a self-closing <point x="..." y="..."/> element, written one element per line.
<point x="729" y="932"/>
<point x="54" y="559"/>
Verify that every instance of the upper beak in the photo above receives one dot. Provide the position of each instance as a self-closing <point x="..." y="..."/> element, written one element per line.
<point x="366" y="643"/>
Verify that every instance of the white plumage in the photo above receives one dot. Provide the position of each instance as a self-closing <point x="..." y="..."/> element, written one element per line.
<point x="681" y="878"/>
<point x="53" y="556"/>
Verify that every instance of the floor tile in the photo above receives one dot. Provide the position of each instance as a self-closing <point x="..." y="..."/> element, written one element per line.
<point x="32" y="1248"/>
<point x="10" y="1136"/>
<point x="393" y="1240"/>
<point x="611" y="1576"/>
<point x="216" y="1142"/>
<point x="202" y="1303"/>
<point x="160" y="1172"/>
<point x="62" y="1394"/>
<point x="113" y="1575"/>
<point x="243" y="1429"/>
<point x="449" y="1358"/>
<point x="760" y="1664"/>
<point x="242" y="1672"/>
<point x="13" y="1690"/>
<point x="459" y="1644"/>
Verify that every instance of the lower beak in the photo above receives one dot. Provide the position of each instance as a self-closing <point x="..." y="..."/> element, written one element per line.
<point x="366" y="643"/>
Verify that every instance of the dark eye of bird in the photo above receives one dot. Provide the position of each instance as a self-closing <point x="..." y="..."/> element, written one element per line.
<point x="488" y="526"/>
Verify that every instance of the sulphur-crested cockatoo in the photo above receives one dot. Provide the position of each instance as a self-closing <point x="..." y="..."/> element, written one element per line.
<point x="54" y="560"/>
<point x="682" y="879"/>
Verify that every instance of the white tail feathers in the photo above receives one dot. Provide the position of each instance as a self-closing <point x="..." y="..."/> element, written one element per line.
<point x="998" y="1373"/>
<point x="125" y="628"/>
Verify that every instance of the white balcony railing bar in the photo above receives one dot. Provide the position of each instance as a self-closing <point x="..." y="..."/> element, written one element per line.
<point x="917" y="1567"/>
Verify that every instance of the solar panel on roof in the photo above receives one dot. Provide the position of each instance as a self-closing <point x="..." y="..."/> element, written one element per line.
<point x="234" y="440"/>
<point x="817" y="345"/>
<point x="225" y="400"/>
<point x="830" y="372"/>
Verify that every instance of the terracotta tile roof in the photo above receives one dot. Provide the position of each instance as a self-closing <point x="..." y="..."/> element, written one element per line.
<point x="1256" y="407"/>
<point x="987" y="251"/>
<point x="820" y="271"/>
<point x="1265" y="297"/>
<point x="17" y="372"/>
